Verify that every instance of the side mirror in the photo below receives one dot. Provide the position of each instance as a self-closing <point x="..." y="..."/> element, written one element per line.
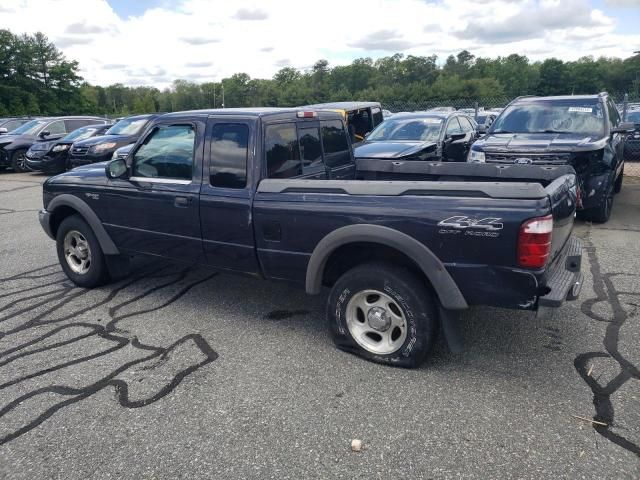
<point x="454" y="137"/>
<point x="116" y="168"/>
<point x="45" y="133"/>
<point x="3" y="130"/>
<point x="624" y="127"/>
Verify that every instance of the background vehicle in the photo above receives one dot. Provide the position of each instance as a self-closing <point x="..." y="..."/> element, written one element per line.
<point x="584" y="131"/>
<point x="361" y="117"/>
<point x="9" y="124"/>
<point x="632" y="143"/>
<point x="485" y="119"/>
<point x="101" y="148"/>
<point x="265" y="192"/>
<point x="436" y="136"/>
<point x="53" y="157"/>
<point x="13" y="147"/>
<point x="122" y="152"/>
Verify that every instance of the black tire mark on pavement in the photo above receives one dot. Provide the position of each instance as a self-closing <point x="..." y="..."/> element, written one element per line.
<point x="110" y="333"/>
<point x="605" y="292"/>
<point x="284" y="314"/>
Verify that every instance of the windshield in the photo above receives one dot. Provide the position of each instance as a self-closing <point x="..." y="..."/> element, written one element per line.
<point x="80" y="134"/>
<point x="633" y="117"/>
<point x="127" y="126"/>
<point x="583" y="117"/>
<point x="407" y="129"/>
<point x="29" y="128"/>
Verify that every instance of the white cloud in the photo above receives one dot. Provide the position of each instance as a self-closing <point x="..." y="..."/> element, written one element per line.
<point x="209" y="39"/>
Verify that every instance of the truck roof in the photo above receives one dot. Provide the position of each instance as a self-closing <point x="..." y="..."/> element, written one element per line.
<point x="557" y="97"/>
<point x="252" y="112"/>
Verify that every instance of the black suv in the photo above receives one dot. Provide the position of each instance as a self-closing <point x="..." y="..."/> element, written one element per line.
<point x="13" y="147"/>
<point x="585" y="131"/>
<point x="101" y="148"/>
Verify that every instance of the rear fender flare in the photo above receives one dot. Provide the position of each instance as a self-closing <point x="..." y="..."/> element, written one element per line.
<point x="448" y="292"/>
<point x="89" y="216"/>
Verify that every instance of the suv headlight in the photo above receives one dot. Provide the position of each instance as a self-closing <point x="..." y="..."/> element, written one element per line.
<point x="101" y="147"/>
<point x="476" y="156"/>
<point x="59" y="148"/>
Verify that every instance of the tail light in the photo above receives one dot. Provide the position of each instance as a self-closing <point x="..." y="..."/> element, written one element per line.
<point x="534" y="242"/>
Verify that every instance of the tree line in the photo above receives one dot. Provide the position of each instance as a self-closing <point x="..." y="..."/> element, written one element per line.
<point x="36" y="78"/>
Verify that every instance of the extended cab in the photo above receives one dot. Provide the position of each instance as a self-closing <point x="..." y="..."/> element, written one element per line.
<point x="272" y="193"/>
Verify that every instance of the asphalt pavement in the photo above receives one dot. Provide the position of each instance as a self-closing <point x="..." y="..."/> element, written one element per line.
<point x="177" y="372"/>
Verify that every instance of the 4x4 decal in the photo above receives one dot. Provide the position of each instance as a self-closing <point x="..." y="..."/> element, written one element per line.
<point x="482" y="227"/>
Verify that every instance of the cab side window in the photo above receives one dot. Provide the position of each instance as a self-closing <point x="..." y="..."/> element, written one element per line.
<point x="377" y="116"/>
<point x="229" y="151"/>
<point x="465" y="124"/>
<point x="167" y="152"/>
<point x="282" y="151"/>
<point x="335" y="143"/>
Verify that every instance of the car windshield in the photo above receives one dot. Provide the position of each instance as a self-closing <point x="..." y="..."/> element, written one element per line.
<point x="29" y="128"/>
<point x="583" y="117"/>
<point x="633" y="117"/>
<point x="407" y="129"/>
<point x="80" y="134"/>
<point x="127" y="126"/>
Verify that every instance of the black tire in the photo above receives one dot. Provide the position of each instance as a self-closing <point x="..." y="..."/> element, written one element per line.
<point x="414" y="300"/>
<point x="617" y="188"/>
<point x="17" y="157"/>
<point x="602" y="212"/>
<point x="97" y="273"/>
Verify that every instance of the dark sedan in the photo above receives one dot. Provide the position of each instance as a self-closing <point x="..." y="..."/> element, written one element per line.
<point x="441" y="136"/>
<point x="101" y="148"/>
<point x="53" y="157"/>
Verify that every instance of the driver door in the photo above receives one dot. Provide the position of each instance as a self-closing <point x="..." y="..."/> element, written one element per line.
<point x="454" y="142"/>
<point x="155" y="211"/>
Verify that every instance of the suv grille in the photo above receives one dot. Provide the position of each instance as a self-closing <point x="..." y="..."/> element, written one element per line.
<point x="529" y="158"/>
<point x="79" y="150"/>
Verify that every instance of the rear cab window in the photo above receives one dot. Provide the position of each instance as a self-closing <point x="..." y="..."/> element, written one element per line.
<point x="300" y="149"/>
<point x="229" y="154"/>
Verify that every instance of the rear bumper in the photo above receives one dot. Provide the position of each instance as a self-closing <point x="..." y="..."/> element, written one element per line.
<point x="565" y="280"/>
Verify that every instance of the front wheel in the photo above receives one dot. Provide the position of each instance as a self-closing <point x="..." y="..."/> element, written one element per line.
<point x="383" y="313"/>
<point x="19" y="160"/>
<point x="602" y="212"/>
<point x="80" y="254"/>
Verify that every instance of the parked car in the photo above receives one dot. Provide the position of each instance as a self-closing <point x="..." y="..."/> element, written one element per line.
<point x="101" y="148"/>
<point x="437" y="136"/>
<point x="231" y="190"/>
<point x="361" y="117"/>
<point x="13" y="147"/>
<point x="122" y="152"/>
<point x="7" y="125"/>
<point x="632" y="143"/>
<point x="53" y="157"/>
<point x="584" y="131"/>
<point x="485" y="119"/>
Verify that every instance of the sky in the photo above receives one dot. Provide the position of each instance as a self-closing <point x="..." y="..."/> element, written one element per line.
<point x="153" y="42"/>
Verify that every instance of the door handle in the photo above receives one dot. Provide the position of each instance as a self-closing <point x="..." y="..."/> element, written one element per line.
<point x="182" y="202"/>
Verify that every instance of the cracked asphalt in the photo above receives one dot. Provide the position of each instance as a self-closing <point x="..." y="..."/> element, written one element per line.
<point x="184" y="373"/>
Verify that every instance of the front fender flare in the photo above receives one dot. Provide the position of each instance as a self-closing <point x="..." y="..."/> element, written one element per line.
<point x="85" y="211"/>
<point x="448" y="292"/>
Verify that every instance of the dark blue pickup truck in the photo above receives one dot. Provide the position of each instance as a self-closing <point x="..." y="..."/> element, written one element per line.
<point x="275" y="193"/>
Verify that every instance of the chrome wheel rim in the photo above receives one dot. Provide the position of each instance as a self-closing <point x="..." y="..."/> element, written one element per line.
<point x="22" y="161"/>
<point x="376" y="322"/>
<point x="77" y="252"/>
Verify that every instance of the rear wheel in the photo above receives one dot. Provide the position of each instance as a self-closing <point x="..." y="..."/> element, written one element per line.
<point x="384" y="314"/>
<point x="18" y="160"/>
<point x="80" y="254"/>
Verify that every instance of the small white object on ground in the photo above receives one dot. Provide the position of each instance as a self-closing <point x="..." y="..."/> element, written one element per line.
<point x="356" y="445"/>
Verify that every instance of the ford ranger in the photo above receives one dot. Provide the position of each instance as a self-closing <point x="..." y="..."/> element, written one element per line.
<point x="273" y="193"/>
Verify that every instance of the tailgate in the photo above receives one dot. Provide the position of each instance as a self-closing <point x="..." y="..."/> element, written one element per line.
<point x="563" y="194"/>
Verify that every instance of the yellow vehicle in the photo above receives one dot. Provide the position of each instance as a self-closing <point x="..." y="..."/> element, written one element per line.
<point x="360" y="117"/>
